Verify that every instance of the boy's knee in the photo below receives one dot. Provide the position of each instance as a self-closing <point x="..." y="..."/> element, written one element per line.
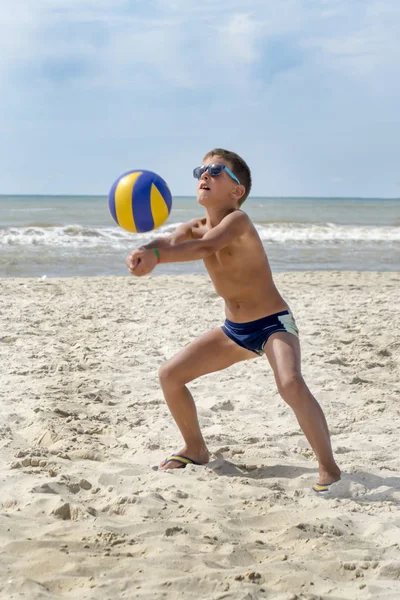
<point x="164" y="372"/>
<point x="290" y="387"/>
<point x="168" y="373"/>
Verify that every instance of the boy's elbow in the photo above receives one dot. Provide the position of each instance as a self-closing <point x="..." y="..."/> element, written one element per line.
<point x="180" y="236"/>
<point x="173" y="240"/>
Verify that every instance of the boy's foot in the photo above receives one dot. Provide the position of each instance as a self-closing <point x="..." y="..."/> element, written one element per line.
<point x="183" y="458"/>
<point x="326" y="478"/>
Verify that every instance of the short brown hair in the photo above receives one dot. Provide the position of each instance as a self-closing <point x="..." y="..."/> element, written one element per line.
<point x="239" y="168"/>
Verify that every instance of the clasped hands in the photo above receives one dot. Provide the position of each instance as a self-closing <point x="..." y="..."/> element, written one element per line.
<point x="141" y="261"/>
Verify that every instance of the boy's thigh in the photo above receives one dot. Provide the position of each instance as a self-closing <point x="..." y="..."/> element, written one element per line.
<point x="283" y="352"/>
<point x="213" y="351"/>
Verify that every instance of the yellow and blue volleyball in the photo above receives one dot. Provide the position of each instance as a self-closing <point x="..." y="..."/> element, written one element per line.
<point x="140" y="201"/>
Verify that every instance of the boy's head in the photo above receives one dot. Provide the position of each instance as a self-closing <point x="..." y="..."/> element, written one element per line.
<point x="237" y="175"/>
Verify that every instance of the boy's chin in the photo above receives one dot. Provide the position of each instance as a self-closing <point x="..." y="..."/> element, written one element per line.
<point x="204" y="197"/>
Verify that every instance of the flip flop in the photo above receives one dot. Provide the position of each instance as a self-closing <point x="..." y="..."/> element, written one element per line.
<point x="321" y="488"/>
<point x="183" y="460"/>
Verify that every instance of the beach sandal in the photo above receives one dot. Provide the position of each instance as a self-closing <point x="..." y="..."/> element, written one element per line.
<point x="183" y="460"/>
<point x="321" y="488"/>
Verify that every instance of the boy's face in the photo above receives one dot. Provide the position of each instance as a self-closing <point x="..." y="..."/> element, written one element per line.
<point x="215" y="191"/>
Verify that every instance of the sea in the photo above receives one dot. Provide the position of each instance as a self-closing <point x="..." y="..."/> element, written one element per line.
<point x="69" y="236"/>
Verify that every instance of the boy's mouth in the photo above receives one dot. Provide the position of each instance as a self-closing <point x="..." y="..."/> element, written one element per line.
<point x="204" y="187"/>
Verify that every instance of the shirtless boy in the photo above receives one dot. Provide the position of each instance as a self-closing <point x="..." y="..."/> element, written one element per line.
<point x="258" y="320"/>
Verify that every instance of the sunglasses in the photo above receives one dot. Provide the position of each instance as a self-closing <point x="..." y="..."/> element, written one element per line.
<point x="214" y="171"/>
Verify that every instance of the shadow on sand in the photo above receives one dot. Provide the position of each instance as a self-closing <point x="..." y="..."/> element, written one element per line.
<point x="362" y="487"/>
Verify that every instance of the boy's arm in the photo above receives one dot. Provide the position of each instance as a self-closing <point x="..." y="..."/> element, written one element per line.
<point x="230" y="228"/>
<point x="181" y="234"/>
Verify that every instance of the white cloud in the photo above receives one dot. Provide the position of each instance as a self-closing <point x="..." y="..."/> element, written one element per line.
<point x="174" y="39"/>
<point x="158" y="78"/>
<point x="238" y="38"/>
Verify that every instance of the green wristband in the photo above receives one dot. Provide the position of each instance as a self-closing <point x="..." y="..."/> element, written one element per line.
<point x="156" y="252"/>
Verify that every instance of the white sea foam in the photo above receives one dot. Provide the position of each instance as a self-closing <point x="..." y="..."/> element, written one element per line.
<point x="68" y="236"/>
<point x="326" y="233"/>
<point x="78" y="236"/>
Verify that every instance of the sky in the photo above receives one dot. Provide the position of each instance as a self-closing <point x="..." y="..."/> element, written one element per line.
<point x="306" y="91"/>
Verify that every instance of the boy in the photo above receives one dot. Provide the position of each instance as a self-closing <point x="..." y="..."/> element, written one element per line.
<point x="258" y="320"/>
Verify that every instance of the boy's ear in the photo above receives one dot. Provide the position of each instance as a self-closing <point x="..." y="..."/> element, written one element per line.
<point x="238" y="191"/>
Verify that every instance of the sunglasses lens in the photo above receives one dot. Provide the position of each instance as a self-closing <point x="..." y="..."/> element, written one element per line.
<point x="215" y="170"/>
<point x="198" y="172"/>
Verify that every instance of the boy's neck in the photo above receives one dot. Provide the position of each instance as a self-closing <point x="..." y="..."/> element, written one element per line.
<point x="215" y="216"/>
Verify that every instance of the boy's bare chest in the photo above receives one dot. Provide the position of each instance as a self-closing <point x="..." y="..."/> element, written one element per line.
<point x="224" y="265"/>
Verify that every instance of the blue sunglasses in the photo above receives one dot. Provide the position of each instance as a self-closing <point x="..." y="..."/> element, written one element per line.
<point x="214" y="171"/>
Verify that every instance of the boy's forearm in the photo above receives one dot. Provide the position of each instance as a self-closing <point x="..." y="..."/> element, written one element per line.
<point x="161" y="242"/>
<point x="185" y="251"/>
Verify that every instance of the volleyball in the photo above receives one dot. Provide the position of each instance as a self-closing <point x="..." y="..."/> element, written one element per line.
<point x="139" y="201"/>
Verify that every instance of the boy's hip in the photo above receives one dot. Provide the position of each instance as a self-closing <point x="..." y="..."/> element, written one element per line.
<point x="253" y="335"/>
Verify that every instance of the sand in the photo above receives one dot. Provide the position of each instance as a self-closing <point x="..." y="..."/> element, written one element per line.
<point x="84" y="515"/>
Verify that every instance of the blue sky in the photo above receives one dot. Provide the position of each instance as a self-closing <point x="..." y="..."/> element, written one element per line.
<point x="307" y="91"/>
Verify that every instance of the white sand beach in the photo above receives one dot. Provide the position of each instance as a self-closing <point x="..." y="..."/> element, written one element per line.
<point x="84" y="516"/>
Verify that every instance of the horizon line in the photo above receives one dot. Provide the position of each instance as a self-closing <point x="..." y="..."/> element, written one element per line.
<point x="275" y="197"/>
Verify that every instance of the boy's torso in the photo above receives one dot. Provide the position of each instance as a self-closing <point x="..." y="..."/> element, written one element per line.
<point x="242" y="277"/>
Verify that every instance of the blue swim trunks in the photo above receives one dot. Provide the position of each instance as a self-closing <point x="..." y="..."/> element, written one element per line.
<point x="254" y="335"/>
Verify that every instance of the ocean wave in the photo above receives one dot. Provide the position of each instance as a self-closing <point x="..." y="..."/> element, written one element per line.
<point x="63" y="236"/>
<point x="325" y="233"/>
<point x="74" y="235"/>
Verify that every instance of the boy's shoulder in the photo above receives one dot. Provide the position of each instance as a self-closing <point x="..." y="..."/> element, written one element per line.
<point x="237" y="221"/>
